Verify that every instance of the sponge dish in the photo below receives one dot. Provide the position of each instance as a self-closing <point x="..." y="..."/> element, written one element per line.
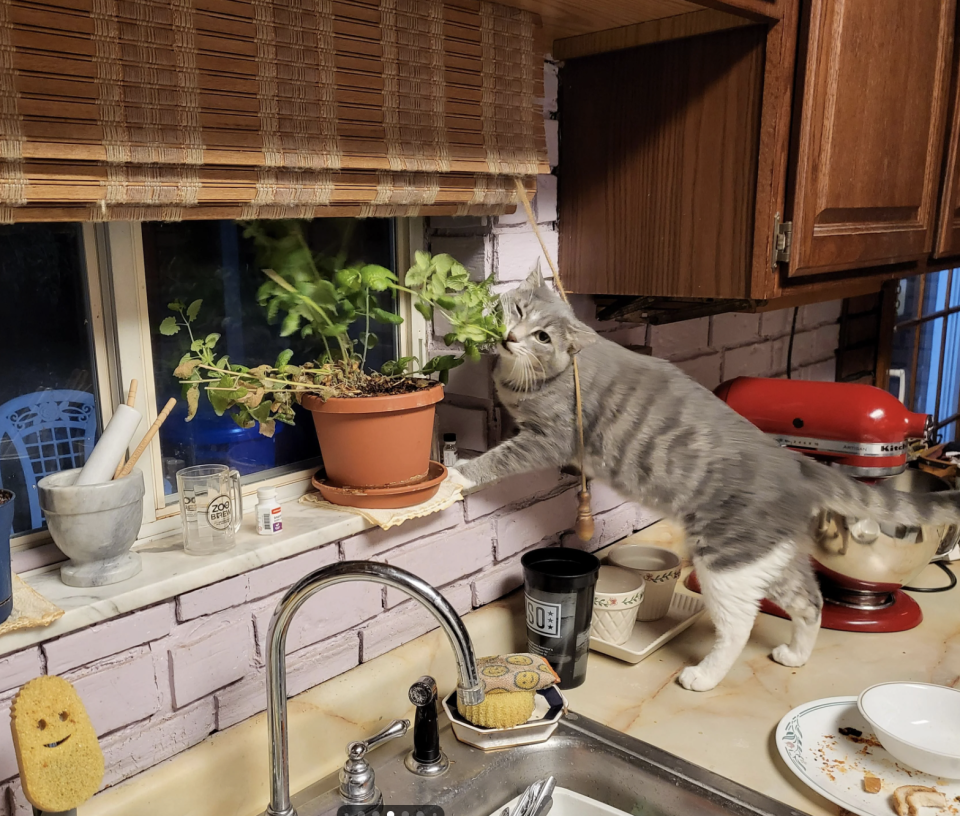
<point x="549" y="708"/>
<point x="510" y="683"/>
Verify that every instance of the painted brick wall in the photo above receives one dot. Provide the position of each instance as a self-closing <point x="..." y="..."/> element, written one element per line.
<point x="162" y="679"/>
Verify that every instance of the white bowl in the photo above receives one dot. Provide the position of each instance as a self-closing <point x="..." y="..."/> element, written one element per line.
<point x="918" y="723"/>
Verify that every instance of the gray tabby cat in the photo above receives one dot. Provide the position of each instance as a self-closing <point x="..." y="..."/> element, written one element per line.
<point x="748" y="506"/>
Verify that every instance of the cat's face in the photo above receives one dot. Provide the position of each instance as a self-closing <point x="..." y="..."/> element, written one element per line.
<point x="542" y="333"/>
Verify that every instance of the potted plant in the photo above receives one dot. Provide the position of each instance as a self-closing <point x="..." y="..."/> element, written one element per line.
<point x="375" y="427"/>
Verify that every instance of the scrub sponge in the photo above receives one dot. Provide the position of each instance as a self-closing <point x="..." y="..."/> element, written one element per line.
<point x="511" y="683"/>
<point x="61" y="765"/>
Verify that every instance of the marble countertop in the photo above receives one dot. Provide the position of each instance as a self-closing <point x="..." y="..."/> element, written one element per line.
<point x="728" y="730"/>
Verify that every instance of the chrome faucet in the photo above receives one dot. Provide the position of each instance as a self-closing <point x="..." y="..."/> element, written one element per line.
<point x="469" y="688"/>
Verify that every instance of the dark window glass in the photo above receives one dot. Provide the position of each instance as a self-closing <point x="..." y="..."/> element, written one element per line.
<point x="211" y="260"/>
<point x="48" y="407"/>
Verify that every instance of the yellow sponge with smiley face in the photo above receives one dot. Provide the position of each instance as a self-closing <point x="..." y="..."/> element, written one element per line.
<point x="60" y="761"/>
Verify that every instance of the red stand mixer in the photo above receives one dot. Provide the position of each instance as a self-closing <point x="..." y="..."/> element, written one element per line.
<point x="863" y="430"/>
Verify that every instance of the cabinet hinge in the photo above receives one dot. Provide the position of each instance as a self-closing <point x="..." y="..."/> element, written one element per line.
<point x="782" y="240"/>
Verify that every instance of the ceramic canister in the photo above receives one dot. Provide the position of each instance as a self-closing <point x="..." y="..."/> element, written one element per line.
<point x="660" y="570"/>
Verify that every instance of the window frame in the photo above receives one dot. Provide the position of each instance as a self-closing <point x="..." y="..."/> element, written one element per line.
<point x="116" y="292"/>
<point x="916" y="323"/>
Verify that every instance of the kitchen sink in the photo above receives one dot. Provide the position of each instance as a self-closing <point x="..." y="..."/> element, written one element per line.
<point x="594" y="766"/>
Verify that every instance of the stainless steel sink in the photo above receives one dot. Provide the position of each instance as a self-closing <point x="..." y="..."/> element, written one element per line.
<point x="583" y="755"/>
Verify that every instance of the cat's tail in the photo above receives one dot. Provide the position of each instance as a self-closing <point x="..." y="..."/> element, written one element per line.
<point x="846" y="496"/>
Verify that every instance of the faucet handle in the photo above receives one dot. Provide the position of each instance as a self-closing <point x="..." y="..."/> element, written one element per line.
<point x="357" y="783"/>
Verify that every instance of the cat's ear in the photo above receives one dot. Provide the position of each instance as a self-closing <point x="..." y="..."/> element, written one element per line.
<point x="534" y="280"/>
<point x="578" y="336"/>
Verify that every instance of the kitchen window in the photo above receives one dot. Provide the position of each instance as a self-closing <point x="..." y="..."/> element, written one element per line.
<point x="84" y="303"/>
<point x="925" y="359"/>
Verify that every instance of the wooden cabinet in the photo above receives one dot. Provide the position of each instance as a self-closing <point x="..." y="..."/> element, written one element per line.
<point x="679" y="158"/>
<point x="871" y="131"/>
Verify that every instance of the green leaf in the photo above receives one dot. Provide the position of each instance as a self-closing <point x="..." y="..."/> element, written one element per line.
<point x="262" y="412"/>
<point x="377" y="278"/>
<point x="422" y="259"/>
<point x="404" y="362"/>
<point x="471" y="352"/>
<point x="450" y="338"/>
<point x="290" y="324"/>
<point x="193" y="310"/>
<point x="389" y="368"/>
<point x="169" y="326"/>
<point x="416" y="276"/>
<point x="211" y="340"/>
<point x="424" y="308"/>
<point x="325" y="293"/>
<point x="369" y="339"/>
<point x="446" y="302"/>
<point x="386" y="317"/>
<point x="334" y="329"/>
<point x="175" y="306"/>
<point x="348" y="279"/>
<point x="196" y="345"/>
<point x="283" y="358"/>
<point x="444" y="362"/>
<point x="443" y="262"/>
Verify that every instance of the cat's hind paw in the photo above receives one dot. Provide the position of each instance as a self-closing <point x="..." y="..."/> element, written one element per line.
<point x="694" y="678"/>
<point x="785" y="656"/>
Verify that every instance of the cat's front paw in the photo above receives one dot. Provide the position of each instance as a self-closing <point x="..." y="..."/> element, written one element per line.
<point x="694" y="678"/>
<point x="460" y="476"/>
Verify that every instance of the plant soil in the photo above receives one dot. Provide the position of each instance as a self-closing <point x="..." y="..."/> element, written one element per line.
<point x="376" y="385"/>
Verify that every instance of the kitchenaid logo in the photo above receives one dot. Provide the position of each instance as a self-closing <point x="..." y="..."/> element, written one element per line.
<point x="220" y="512"/>
<point x="838" y="446"/>
<point x="543" y="618"/>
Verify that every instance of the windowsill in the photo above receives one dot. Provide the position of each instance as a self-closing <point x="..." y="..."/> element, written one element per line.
<point x="169" y="572"/>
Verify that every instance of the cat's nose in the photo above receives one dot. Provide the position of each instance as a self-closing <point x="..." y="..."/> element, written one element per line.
<point x="511" y="338"/>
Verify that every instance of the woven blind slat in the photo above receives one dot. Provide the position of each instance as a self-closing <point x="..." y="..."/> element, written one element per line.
<point x="228" y="108"/>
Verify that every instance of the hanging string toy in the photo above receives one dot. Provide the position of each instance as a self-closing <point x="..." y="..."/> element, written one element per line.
<point x="584" y="525"/>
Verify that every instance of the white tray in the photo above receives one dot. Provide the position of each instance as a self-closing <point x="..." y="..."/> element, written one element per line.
<point x="648" y="636"/>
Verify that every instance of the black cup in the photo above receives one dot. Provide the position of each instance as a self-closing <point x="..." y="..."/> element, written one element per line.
<point x="558" y="589"/>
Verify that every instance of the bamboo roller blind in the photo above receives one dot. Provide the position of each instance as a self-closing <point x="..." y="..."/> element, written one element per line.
<point x="170" y="109"/>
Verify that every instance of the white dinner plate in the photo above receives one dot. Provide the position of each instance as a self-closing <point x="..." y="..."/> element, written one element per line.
<point x="834" y="765"/>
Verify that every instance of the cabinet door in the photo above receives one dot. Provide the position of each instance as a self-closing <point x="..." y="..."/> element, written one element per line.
<point x="948" y="230"/>
<point x="872" y="121"/>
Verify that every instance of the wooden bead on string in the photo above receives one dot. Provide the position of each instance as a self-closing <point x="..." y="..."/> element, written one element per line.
<point x="584" y="526"/>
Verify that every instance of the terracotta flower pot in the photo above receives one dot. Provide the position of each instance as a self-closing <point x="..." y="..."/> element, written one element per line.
<point x="375" y="441"/>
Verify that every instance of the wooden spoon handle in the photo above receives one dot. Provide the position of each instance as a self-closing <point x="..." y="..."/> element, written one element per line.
<point x="148" y="437"/>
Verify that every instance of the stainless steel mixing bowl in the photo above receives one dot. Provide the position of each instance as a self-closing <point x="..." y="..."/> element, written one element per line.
<point x="864" y="556"/>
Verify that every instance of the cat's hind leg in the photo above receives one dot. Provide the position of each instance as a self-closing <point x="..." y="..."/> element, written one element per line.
<point x="797" y="593"/>
<point x="732" y="596"/>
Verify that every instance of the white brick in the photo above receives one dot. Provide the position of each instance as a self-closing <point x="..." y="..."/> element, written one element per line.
<point x="132" y="750"/>
<point x="603" y="497"/>
<point x="409" y="620"/>
<point x="216" y="653"/>
<point x="97" y="642"/>
<point x="8" y="756"/>
<point x="705" y="370"/>
<point x="458" y="223"/>
<point x="18" y="668"/>
<point x="776" y="323"/>
<point x="519" y="250"/>
<point x="552" y="127"/>
<point x="373" y="542"/>
<point x="628" y="336"/>
<point x="734" y="329"/>
<point x="305" y="669"/>
<point x="676" y="340"/>
<point x="326" y="614"/>
<point x="500" y="579"/>
<point x="469" y="424"/>
<point x="748" y="361"/>
<point x="517" y="218"/>
<point x="253" y="585"/>
<point x="618" y="523"/>
<point x="818" y="314"/>
<point x="551" y="86"/>
<point x="445" y="558"/>
<point x="511" y="490"/>
<point x="822" y="372"/>
<point x="473" y="251"/>
<point x="545" y="203"/>
<point x="522" y="529"/>
<point x="472" y="379"/>
<point x="815" y="346"/>
<point x="120" y="691"/>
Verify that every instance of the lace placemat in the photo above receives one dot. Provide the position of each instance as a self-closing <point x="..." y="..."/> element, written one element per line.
<point x="450" y="492"/>
<point x="30" y="609"/>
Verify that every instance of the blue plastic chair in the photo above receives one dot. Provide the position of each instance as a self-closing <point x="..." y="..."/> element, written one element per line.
<point x="50" y="431"/>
